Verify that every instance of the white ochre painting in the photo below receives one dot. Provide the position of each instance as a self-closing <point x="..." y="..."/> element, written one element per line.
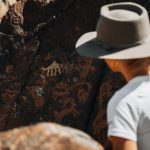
<point x="52" y="70"/>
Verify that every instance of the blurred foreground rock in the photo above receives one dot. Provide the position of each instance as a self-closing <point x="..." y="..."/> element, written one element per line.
<point x="47" y="136"/>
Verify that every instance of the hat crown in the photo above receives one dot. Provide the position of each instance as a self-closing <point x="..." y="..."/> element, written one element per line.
<point x="123" y="24"/>
<point x="124" y="15"/>
<point x="123" y="32"/>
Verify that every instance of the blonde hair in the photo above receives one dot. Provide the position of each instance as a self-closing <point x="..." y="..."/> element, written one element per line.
<point x="137" y="66"/>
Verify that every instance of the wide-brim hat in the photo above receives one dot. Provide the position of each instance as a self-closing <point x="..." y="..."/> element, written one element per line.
<point x="122" y="32"/>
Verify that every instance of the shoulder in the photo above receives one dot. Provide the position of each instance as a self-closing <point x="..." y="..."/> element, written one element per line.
<point x="125" y="108"/>
<point x="128" y="105"/>
<point x="130" y="95"/>
<point x="120" y="97"/>
<point x="123" y="118"/>
<point x="124" y="102"/>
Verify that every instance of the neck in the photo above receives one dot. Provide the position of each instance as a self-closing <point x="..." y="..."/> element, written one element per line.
<point x="130" y="75"/>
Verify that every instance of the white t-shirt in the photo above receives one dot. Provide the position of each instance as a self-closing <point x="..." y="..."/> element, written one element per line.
<point x="128" y="112"/>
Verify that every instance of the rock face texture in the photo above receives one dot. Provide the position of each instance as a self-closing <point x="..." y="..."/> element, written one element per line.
<point x="42" y="78"/>
<point x="4" y="7"/>
<point x="46" y="136"/>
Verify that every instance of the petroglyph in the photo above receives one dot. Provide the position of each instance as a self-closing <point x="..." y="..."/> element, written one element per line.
<point x="10" y="78"/>
<point x="61" y="89"/>
<point x="36" y="91"/>
<point x="39" y="91"/>
<point x="61" y="114"/>
<point x="48" y="57"/>
<point x="37" y="95"/>
<point x="52" y="70"/>
<point x="9" y="94"/>
<point x="9" y="68"/>
<point x="2" y="76"/>
<point x="43" y="78"/>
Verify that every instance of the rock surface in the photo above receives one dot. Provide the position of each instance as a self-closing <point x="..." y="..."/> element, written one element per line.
<point x="4" y="7"/>
<point x="47" y="136"/>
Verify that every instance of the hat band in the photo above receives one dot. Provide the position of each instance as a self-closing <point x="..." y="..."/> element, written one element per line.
<point x="117" y="48"/>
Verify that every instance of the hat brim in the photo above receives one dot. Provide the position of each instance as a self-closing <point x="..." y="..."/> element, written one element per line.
<point x="86" y="46"/>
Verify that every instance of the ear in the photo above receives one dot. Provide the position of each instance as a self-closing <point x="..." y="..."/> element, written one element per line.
<point x="113" y="64"/>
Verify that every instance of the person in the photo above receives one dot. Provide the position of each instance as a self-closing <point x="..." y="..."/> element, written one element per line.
<point x="122" y="39"/>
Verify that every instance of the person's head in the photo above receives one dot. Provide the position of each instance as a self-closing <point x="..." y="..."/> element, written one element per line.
<point x="130" y="67"/>
<point x="122" y="39"/>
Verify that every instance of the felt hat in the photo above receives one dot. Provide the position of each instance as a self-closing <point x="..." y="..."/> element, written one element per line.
<point x="122" y="32"/>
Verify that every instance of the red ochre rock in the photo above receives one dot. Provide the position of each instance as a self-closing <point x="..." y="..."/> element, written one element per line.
<point x="47" y="136"/>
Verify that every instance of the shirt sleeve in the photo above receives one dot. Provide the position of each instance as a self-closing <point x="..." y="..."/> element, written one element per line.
<point x="123" y="121"/>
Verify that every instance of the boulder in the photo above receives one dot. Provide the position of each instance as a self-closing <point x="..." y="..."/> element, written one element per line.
<point x="47" y="136"/>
